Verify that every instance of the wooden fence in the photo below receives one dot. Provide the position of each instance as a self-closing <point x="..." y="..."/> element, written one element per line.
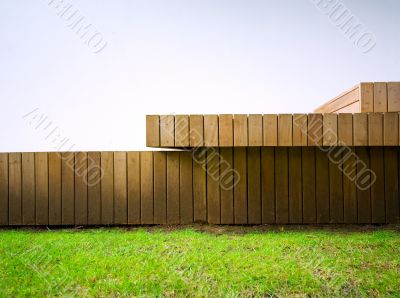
<point x="253" y="185"/>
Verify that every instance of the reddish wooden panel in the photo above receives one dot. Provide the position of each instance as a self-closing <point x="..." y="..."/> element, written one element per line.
<point x="107" y="188"/>
<point x="282" y="185"/>
<point x="3" y="189"/>
<point x="213" y="194"/>
<point x="120" y="188"/>
<point x="28" y="189"/>
<point x="160" y="187"/>
<point x="240" y="136"/>
<point x="254" y="185"/>
<point x="146" y="187"/>
<point x="15" y="189"/>
<point x="392" y="185"/>
<point x="42" y="188"/>
<point x="94" y="176"/>
<point x="322" y="186"/>
<point x="225" y="130"/>
<point x="227" y="177"/>
<point x="133" y="168"/>
<point x="378" y="188"/>
<point x="55" y="180"/>
<point x="240" y="189"/>
<point x="336" y="185"/>
<point x="255" y="123"/>
<point x="295" y="186"/>
<point x="268" y="185"/>
<point x="199" y="185"/>
<point x="173" y="187"/>
<point x="186" y="187"/>
<point x="308" y="175"/>
<point x="363" y="185"/>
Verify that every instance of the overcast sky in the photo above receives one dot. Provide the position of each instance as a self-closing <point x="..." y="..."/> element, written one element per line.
<point x="158" y="57"/>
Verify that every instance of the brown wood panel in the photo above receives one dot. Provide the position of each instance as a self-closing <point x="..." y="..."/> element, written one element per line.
<point x="94" y="176"/>
<point x="28" y="189"/>
<point x="81" y="188"/>
<point x="336" y="185"/>
<point x="391" y="129"/>
<point x="15" y="189"/>
<point x="349" y="185"/>
<point x="182" y="131"/>
<point x="308" y="187"/>
<point x="199" y="185"/>
<point x="322" y="186"/>
<point x="360" y="129"/>
<point x="282" y="185"/>
<point x="329" y="129"/>
<point x="146" y="187"/>
<point x="120" y="188"/>
<point x="366" y="97"/>
<point x="225" y="130"/>
<point x="392" y="185"/>
<point x="134" y="184"/>
<point x="42" y="188"/>
<point x="295" y="186"/>
<point x="362" y="183"/>
<point x="55" y="211"/>
<point x="380" y="97"/>
<point x="186" y="187"/>
<point x="240" y="136"/>
<point x="270" y="130"/>
<point x="160" y="187"/>
<point x="227" y="177"/>
<point x="211" y="130"/>
<point x="255" y="123"/>
<point x="3" y="189"/>
<point x="153" y="130"/>
<point x="196" y="125"/>
<point x="339" y="102"/>
<point x="167" y="130"/>
<point x="285" y="130"/>
<point x="240" y="189"/>
<point x="299" y="130"/>
<point x="107" y="188"/>
<point x="378" y="188"/>
<point x="67" y="188"/>
<point x="345" y="129"/>
<point x="268" y="184"/>
<point x="315" y="125"/>
<point x="393" y="89"/>
<point x="173" y="187"/>
<point x="254" y="185"/>
<point x="213" y="193"/>
<point x="375" y="129"/>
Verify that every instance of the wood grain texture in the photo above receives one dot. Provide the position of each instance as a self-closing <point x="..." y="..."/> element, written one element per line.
<point x="322" y="186"/>
<point x="315" y="125"/>
<point x="375" y="129"/>
<point x="343" y="100"/>
<point x="15" y="189"/>
<point x="254" y="185"/>
<point x="380" y="97"/>
<point x="134" y="187"/>
<point x="3" y="189"/>
<point x="185" y="187"/>
<point x="55" y="195"/>
<point x="160" y="187"/>
<point x="173" y="188"/>
<point x="363" y="185"/>
<point x="94" y="176"/>
<point x="81" y="188"/>
<point x="270" y="130"/>
<point x="377" y="165"/>
<point x="225" y="130"/>
<point x="282" y="185"/>
<point x="285" y="130"/>
<point x="240" y="190"/>
<point x="167" y="130"/>
<point x="227" y="176"/>
<point x="152" y="130"/>
<point x="28" y="189"/>
<point x="240" y="136"/>
<point x="308" y="185"/>
<point x="393" y="90"/>
<point x="345" y="129"/>
<point x="391" y="129"/>
<point x="349" y="163"/>
<point x="366" y="97"/>
<point x="211" y="130"/>
<point x="295" y="186"/>
<point x="360" y="129"/>
<point x="330" y="129"/>
<point x="181" y="131"/>
<point x="392" y="185"/>
<point x="107" y="188"/>
<point x="120" y="188"/>
<point x="146" y="187"/>
<point x="196" y="125"/>
<point x="213" y="191"/>
<point x="336" y="186"/>
<point x="199" y="185"/>
<point x="42" y="188"/>
<point x="268" y="185"/>
<point x="255" y="123"/>
<point x="299" y="130"/>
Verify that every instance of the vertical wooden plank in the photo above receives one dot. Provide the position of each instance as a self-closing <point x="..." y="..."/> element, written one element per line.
<point x="380" y="97"/>
<point x="210" y="130"/>
<point x="120" y="189"/>
<point x="255" y="130"/>
<point x="336" y="186"/>
<point x="167" y="130"/>
<point x="15" y="189"/>
<point x="315" y="125"/>
<point x="55" y="178"/>
<point x="391" y="129"/>
<point x="67" y="188"/>
<point x="392" y="185"/>
<point x="345" y="129"/>
<point x="182" y="131"/>
<point x="285" y="130"/>
<point x="146" y="187"/>
<point x="225" y="130"/>
<point x="173" y="187"/>
<point x="107" y="188"/>
<point x="329" y="129"/>
<point x="282" y="185"/>
<point x="360" y="129"/>
<point x="160" y="187"/>
<point x="268" y="184"/>
<point x="152" y="130"/>
<point x="134" y="184"/>
<point x="362" y="182"/>
<point x="81" y="192"/>
<point x="295" y="186"/>
<point x="375" y="129"/>
<point x="3" y="189"/>
<point x="240" y="137"/>
<point x="186" y="188"/>
<point x="254" y="185"/>
<point x="270" y="130"/>
<point x="94" y="176"/>
<point x="227" y="177"/>
<point x="322" y="186"/>
<point x="393" y="89"/>
<point x="199" y="185"/>
<point x="299" y="130"/>
<point x="28" y="189"/>
<point x="378" y="188"/>
<point x="366" y="97"/>
<point x="196" y="125"/>
<point x="349" y="186"/>
<point x="240" y="189"/>
<point x="42" y="188"/>
<point x="308" y="175"/>
<point x="213" y="194"/>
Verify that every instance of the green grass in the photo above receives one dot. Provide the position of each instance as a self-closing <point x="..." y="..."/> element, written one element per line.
<point x="190" y="262"/>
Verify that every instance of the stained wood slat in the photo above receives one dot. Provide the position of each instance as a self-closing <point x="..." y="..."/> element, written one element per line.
<point x="181" y="131"/>
<point x="173" y="188"/>
<point x="349" y="185"/>
<point x="254" y="185"/>
<point x="299" y="130"/>
<point x="3" y="189"/>
<point x="15" y="189"/>
<point x="199" y="185"/>
<point x="285" y="130"/>
<point x="377" y="188"/>
<point x="308" y="187"/>
<point x="380" y="97"/>
<point x="391" y="129"/>
<point x="282" y="185"/>
<point x="336" y="186"/>
<point x="268" y="185"/>
<point x="213" y="193"/>
<point x="55" y="180"/>
<point x="314" y="125"/>
<point x="345" y="129"/>
<point x="360" y="129"/>
<point x="255" y="123"/>
<point x="322" y="186"/>
<point x="67" y="188"/>
<point x="94" y="176"/>
<point x="107" y="188"/>
<point x="226" y="184"/>
<point x="366" y="97"/>
<point x="270" y="130"/>
<point x="375" y="129"/>
<point x="363" y="185"/>
<point x="392" y="186"/>
<point x="167" y="130"/>
<point x="28" y="189"/>
<point x="81" y="188"/>
<point x="42" y="188"/>
<point x="240" y="190"/>
<point x="330" y="130"/>
<point x="341" y="101"/>
<point x="225" y="130"/>
<point x="211" y="130"/>
<point x="146" y="187"/>
<point x="295" y="186"/>
<point x="120" y="188"/>
<point x="393" y="90"/>
<point x="153" y="130"/>
<point x="160" y="187"/>
<point x="196" y="125"/>
<point x="134" y="187"/>
<point x="185" y="187"/>
<point x="240" y="137"/>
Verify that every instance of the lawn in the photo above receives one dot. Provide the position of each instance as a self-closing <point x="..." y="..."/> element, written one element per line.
<point x="201" y="261"/>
